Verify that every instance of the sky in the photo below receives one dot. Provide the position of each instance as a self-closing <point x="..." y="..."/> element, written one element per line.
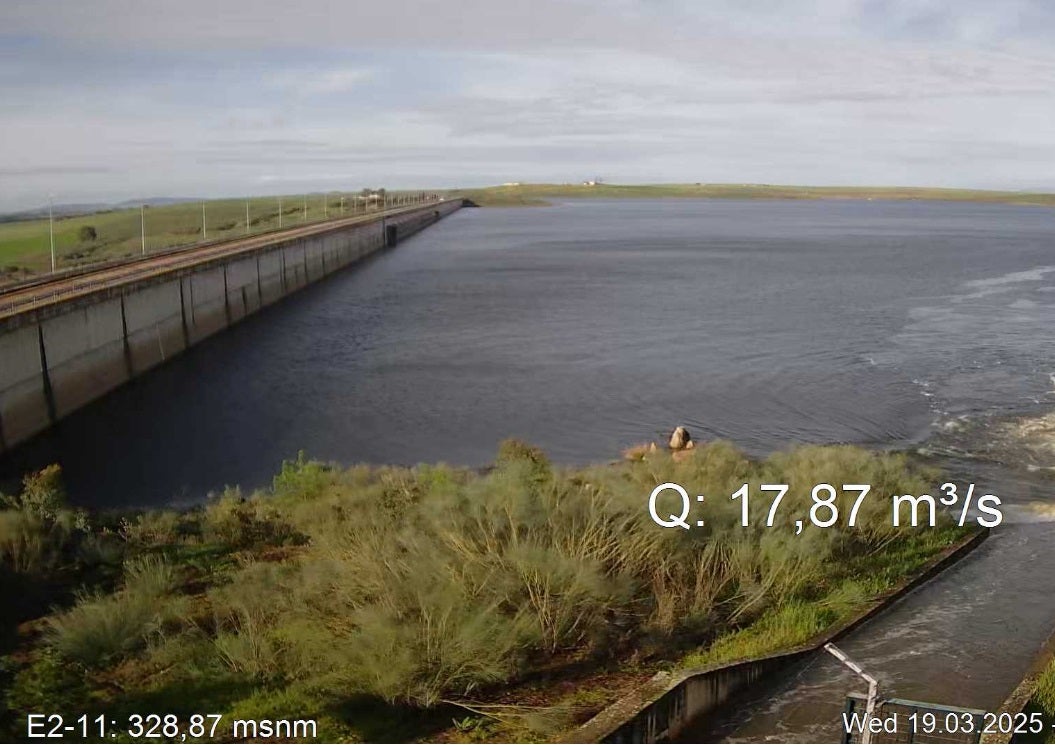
<point x="107" y="100"/>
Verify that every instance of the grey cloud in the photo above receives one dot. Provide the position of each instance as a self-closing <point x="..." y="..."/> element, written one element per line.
<point x="55" y="171"/>
<point x="512" y="24"/>
<point x="209" y="99"/>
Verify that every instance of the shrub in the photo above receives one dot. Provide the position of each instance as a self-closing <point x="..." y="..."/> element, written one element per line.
<point x="43" y="493"/>
<point x="422" y="585"/>
<point x="302" y="478"/>
<point x="150" y="577"/>
<point x="100" y="629"/>
<point x="240" y="522"/>
<point x="87" y="234"/>
<point x="26" y="542"/>
<point x="156" y="528"/>
<point x="48" y="684"/>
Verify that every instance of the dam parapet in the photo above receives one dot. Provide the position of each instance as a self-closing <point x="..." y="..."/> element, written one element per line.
<point x="70" y="342"/>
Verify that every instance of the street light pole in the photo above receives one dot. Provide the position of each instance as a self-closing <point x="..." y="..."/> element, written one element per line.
<point x="143" y="227"/>
<point x="51" y="229"/>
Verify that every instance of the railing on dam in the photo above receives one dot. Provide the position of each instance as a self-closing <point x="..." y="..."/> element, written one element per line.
<point x="70" y="342"/>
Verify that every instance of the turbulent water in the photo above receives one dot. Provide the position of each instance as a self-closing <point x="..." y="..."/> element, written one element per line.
<point x="592" y="325"/>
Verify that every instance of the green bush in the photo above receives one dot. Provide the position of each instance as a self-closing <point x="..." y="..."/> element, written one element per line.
<point x="100" y="629"/>
<point x="43" y="493"/>
<point x="421" y="585"/>
<point x="424" y="583"/>
<point x="240" y="522"/>
<point x="28" y="544"/>
<point x="49" y="683"/>
<point x="302" y="478"/>
<point x="150" y="577"/>
<point x="155" y="528"/>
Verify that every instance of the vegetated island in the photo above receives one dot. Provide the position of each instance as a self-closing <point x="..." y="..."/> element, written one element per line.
<point x="536" y="195"/>
<point x="435" y="603"/>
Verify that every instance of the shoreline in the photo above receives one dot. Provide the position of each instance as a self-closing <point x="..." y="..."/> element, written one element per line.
<point x="536" y="195"/>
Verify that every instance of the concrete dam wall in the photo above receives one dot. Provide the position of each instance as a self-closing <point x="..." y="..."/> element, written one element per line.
<point x="59" y="356"/>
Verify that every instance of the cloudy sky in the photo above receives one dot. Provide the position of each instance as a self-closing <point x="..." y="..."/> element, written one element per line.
<point x="114" y="99"/>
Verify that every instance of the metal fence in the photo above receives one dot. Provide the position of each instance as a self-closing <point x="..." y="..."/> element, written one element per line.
<point x="900" y="720"/>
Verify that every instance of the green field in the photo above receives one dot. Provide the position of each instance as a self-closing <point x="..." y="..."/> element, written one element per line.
<point x="538" y="194"/>
<point x="25" y="244"/>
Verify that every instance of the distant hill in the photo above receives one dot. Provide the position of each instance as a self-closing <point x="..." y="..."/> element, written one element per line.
<point x="71" y="209"/>
<point x="527" y="195"/>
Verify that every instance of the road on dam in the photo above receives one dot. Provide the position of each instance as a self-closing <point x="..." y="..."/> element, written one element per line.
<point x="40" y="292"/>
<point x="966" y="638"/>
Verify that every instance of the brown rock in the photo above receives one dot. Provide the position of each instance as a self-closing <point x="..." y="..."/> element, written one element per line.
<point x="680" y="439"/>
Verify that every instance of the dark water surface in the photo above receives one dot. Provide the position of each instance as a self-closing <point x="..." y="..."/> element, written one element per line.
<point x="592" y="325"/>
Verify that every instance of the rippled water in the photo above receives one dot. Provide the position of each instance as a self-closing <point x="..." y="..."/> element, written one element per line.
<point x="592" y="325"/>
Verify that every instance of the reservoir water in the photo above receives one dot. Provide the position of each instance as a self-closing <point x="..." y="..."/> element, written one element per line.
<point x="592" y="325"/>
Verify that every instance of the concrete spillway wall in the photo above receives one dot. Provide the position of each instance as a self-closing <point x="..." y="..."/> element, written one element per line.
<point x="59" y="357"/>
<point x="669" y="705"/>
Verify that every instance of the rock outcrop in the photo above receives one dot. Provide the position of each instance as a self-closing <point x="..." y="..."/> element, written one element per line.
<point x="680" y="439"/>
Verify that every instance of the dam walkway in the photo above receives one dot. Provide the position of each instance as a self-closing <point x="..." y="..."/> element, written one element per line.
<point x="38" y="292"/>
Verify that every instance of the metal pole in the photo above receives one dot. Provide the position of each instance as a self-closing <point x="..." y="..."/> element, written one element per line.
<point x="280" y="212"/>
<point x="143" y="227"/>
<point x="325" y="207"/>
<point x="873" y="689"/>
<point x="247" y="217"/>
<point x="51" y="230"/>
<point x="203" y="235"/>
<point x="305" y="208"/>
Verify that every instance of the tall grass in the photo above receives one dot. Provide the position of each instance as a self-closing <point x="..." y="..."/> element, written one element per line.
<point x="102" y="628"/>
<point x="418" y="586"/>
<point x="38" y="531"/>
<point x="427" y="583"/>
<point x="28" y="543"/>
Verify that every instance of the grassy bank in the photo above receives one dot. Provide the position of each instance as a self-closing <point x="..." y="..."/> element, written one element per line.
<point x="437" y="602"/>
<point x="538" y="194"/>
<point x="1043" y="701"/>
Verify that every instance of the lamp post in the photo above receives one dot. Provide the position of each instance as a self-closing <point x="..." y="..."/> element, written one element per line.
<point x="51" y="229"/>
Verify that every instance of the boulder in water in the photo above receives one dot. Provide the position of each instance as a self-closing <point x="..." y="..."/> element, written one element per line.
<point x="680" y="439"/>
